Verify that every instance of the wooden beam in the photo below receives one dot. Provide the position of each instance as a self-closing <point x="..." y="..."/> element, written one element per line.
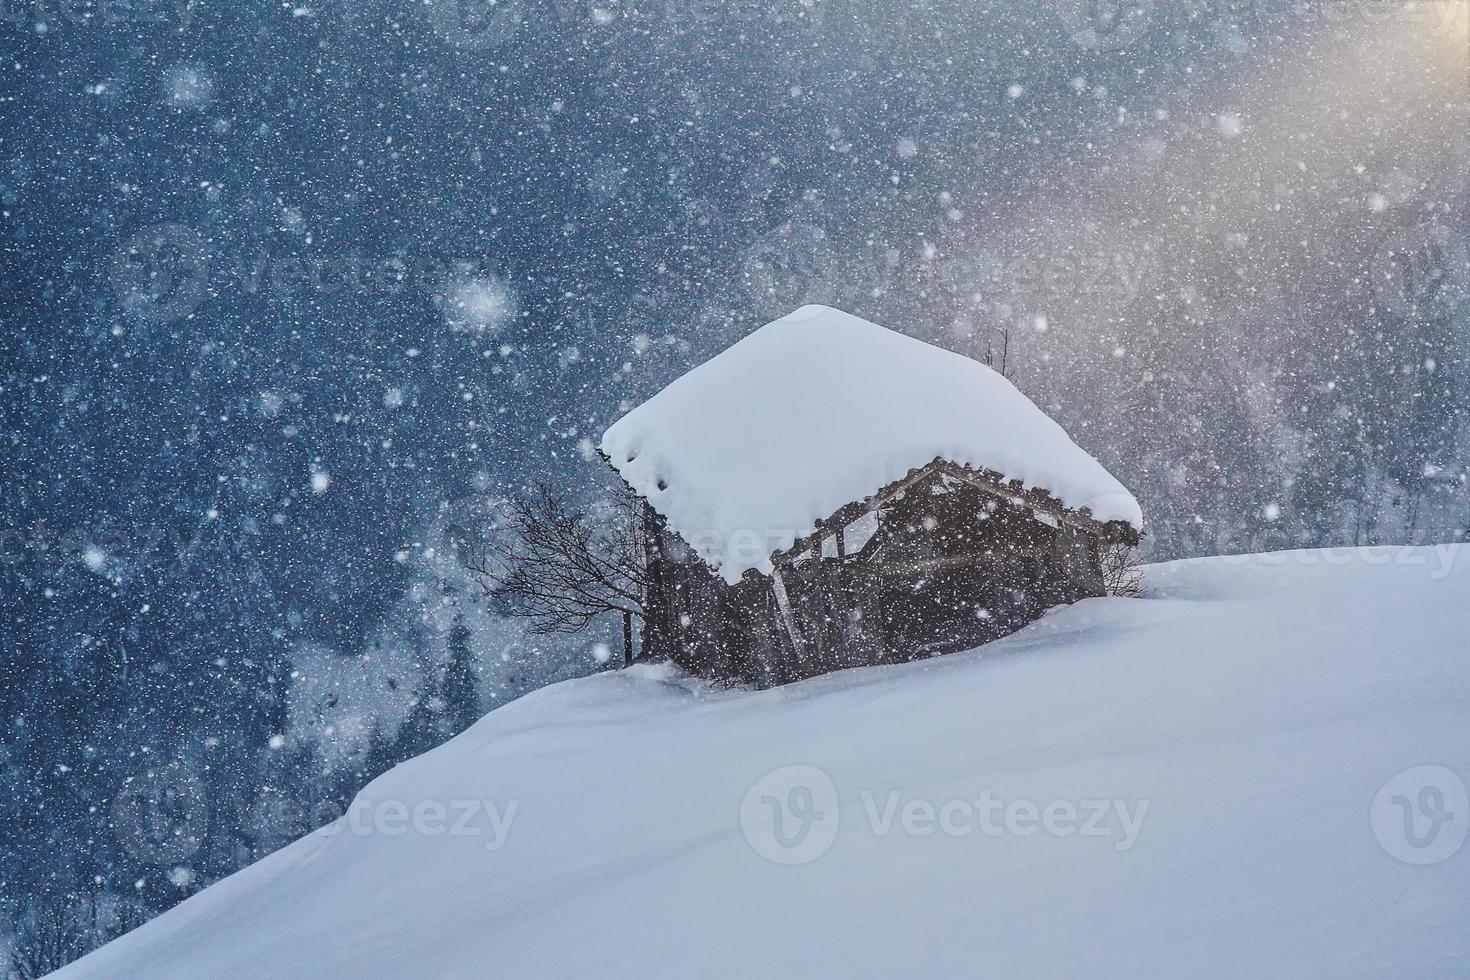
<point x="1082" y="520"/>
<point x="986" y="481"/>
<point x="783" y="603"/>
<point x="846" y="515"/>
<point x="929" y="566"/>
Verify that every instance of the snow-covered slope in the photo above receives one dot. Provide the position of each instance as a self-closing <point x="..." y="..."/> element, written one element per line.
<point x="1255" y="706"/>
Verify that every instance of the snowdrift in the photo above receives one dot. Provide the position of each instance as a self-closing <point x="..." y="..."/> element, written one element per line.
<point x="1251" y="744"/>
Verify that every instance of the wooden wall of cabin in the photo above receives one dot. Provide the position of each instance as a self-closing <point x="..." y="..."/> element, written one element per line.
<point x="949" y="568"/>
<point x="960" y="567"/>
<point x="706" y="626"/>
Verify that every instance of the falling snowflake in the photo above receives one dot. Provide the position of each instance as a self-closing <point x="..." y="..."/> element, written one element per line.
<point x="188" y="87"/>
<point x="481" y="304"/>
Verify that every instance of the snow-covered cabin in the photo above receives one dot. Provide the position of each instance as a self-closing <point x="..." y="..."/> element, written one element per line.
<point x="829" y="493"/>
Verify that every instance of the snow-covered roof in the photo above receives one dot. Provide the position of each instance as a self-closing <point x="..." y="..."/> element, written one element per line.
<point x="744" y="455"/>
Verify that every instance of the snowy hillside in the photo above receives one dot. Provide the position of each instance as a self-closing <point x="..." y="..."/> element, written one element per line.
<point x="1183" y="786"/>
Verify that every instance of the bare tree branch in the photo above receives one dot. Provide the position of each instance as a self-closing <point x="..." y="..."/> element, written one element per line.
<point x="561" y="567"/>
<point x="1122" y="571"/>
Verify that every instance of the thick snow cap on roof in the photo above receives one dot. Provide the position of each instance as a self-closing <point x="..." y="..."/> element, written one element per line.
<point x="747" y="452"/>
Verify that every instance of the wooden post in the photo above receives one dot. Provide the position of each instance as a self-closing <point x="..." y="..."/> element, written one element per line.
<point x="627" y="639"/>
<point x="783" y="603"/>
<point x="819" y="602"/>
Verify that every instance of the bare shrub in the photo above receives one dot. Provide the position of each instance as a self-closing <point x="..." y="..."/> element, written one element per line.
<point x="53" y="931"/>
<point x="1122" y="571"/>
<point x="562" y="566"/>
<point x="51" y="934"/>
